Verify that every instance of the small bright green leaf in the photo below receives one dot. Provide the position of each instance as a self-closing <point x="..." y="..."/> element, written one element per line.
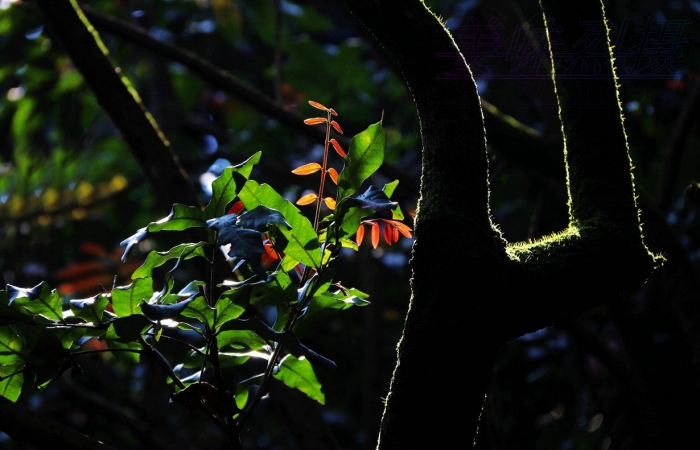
<point x="365" y="156"/>
<point x="297" y="373"/>
<point x="180" y="252"/>
<point x="335" y="301"/>
<point x="302" y="243"/>
<point x="12" y="345"/>
<point x="126" y="299"/>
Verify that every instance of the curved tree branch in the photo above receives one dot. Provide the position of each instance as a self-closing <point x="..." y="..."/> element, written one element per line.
<point x="120" y="100"/>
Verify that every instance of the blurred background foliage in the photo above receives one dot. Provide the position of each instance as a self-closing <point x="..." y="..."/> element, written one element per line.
<point x="70" y="191"/>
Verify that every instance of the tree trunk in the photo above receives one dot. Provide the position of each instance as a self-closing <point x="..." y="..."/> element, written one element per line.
<point x="468" y="283"/>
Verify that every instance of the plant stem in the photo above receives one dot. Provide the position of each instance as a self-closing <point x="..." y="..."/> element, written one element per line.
<point x="319" y="200"/>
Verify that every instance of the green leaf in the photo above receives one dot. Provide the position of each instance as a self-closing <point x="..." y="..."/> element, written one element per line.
<point x="302" y="240"/>
<point x="396" y="213"/>
<point x="198" y="309"/>
<point x="226" y="310"/>
<point x="126" y="300"/>
<point x="280" y="291"/>
<point x="12" y="346"/>
<point x="90" y="309"/>
<point x="243" y="389"/>
<point x="224" y="188"/>
<point x="297" y="373"/>
<point x="365" y="156"/>
<point x="334" y="301"/>
<point x="180" y="252"/>
<point x="11" y="381"/>
<point x="39" y="300"/>
<point x="239" y="339"/>
<point x="181" y="217"/>
<point x="128" y="329"/>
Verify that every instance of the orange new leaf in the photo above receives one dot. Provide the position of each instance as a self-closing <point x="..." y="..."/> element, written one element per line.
<point x="307" y="199"/>
<point x="396" y="234"/>
<point x="334" y="175"/>
<point x="336" y="126"/>
<point x="338" y="148"/>
<point x="388" y="234"/>
<point x="360" y="235"/>
<point x="333" y="112"/>
<point x="315" y="120"/>
<point x="375" y="234"/>
<point x="307" y="169"/>
<point x="330" y="203"/>
<point x="317" y="105"/>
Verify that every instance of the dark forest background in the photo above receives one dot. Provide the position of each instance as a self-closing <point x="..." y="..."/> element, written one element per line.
<point x="70" y="191"/>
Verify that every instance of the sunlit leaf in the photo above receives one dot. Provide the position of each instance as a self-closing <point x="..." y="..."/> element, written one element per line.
<point x="307" y="199"/>
<point x="330" y="202"/>
<point x="226" y="310"/>
<point x="317" y="105"/>
<point x="200" y="310"/>
<point x="334" y="175"/>
<point x="180" y="218"/>
<point x="365" y="156"/>
<point x="39" y="300"/>
<point x="315" y="120"/>
<point x="388" y="234"/>
<point x="302" y="240"/>
<point x="388" y="189"/>
<point x="227" y="185"/>
<point x="307" y="169"/>
<point x="297" y="373"/>
<point x="360" y="235"/>
<point x="180" y="252"/>
<point x="338" y="148"/>
<point x="374" y="226"/>
<point x="126" y="299"/>
<point x="90" y="309"/>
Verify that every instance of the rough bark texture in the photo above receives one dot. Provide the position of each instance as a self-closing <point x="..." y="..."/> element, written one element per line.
<point x="467" y="283"/>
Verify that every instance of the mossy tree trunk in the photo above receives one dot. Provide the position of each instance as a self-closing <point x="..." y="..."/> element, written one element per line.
<point x="471" y="290"/>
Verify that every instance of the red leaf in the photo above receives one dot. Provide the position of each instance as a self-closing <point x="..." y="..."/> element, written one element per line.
<point x="307" y="169"/>
<point x="336" y="126"/>
<point x="307" y="199"/>
<point x="360" y="235"/>
<point x="338" y="148"/>
<point x="333" y="112"/>
<point x="375" y="234"/>
<point x="388" y="234"/>
<point x="396" y="234"/>
<point x="315" y="120"/>
<point x="237" y="208"/>
<point x="317" y="105"/>
<point x="334" y="175"/>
